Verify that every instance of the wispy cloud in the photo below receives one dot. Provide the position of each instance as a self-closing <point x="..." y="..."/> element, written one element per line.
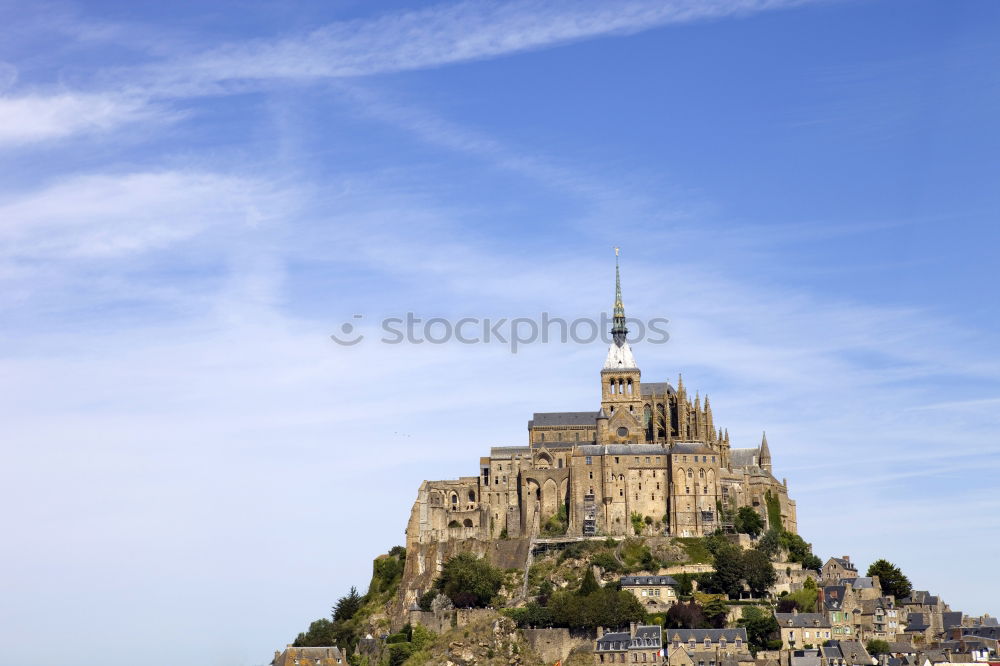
<point x="108" y="215"/>
<point x="39" y="117"/>
<point x="438" y="35"/>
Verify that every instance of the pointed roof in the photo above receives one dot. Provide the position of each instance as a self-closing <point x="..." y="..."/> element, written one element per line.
<point x="765" y="452"/>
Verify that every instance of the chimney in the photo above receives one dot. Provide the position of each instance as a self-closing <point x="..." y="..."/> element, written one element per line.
<point x="795" y="611"/>
<point x="819" y="599"/>
<point x="846" y="558"/>
<point x="631" y="629"/>
<point x="600" y="633"/>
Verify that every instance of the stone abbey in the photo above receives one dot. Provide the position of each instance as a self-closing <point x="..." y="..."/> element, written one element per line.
<point x="649" y="457"/>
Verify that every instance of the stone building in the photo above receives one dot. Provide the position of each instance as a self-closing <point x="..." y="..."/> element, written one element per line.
<point x="803" y="630"/>
<point x="707" y="647"/>
<point x="838" y="568"/>
<point x="655" y="593"/>
<point x="642" y="644"/>
<point x="649" y="455"/>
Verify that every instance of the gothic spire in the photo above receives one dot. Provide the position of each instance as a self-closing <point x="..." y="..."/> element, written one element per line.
<point x="765" y="454"/>
<point x="618" y="330"/>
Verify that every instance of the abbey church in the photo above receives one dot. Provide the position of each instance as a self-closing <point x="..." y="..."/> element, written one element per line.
<point x="648" y="458"/>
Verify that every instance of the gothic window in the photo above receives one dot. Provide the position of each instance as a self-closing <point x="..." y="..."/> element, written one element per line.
<point x="690" y="474"/>
<point x="454" y="499"/>
<point x="472" y="495"/>
<point x="701" y="474"/>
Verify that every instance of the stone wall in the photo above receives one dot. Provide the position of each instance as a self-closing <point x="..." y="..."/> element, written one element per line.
<point x="553" y="645"/>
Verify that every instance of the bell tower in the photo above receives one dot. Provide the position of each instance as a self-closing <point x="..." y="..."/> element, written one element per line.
<point x="621" y="397"/>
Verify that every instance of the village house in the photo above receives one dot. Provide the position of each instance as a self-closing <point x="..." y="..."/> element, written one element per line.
<point x="655" y="593"/>
<point x="843" y="610"/>
<point x="707" y="647"/>
<point x="803" y="630"/>
<point x="838" y="568"/>
<point x="641" y="644"/>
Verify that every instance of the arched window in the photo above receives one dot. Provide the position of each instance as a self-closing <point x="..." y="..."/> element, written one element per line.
<point x="467" y="522"/>
<point x="690" y="474"/>
<point x="454" y="499"/>
<point x="701" y="474"/>
<point x="472" y="495"/>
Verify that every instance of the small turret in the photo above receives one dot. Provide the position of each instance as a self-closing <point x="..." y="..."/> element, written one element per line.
<point x="765" y="454"/>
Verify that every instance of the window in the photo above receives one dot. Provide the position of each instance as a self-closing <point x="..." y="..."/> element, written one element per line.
<point x="647" y="460"/>
<point x="592" y="475"/>
<point x="623" y="432"/>
<point x="637" y="459"/>
<point x="589" y="460"/>
<point x="616" y="460"/>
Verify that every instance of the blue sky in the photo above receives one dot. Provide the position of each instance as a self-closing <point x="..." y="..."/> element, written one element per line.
<point x="195" y="196"/>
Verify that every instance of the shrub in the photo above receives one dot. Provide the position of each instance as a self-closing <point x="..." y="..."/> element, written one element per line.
<point x="469" y="581"/>
<point x="426" y="599"/>
<point x="607" y="562"/>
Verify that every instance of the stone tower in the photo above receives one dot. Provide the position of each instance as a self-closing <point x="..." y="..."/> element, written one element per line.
<point x="621" y="397"/>
<point x="764" y="457"/>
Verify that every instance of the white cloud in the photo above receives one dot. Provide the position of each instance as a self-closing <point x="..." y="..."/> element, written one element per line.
<point x="35" y="117"/>
<point x="440" y="35"/>
<point x="108" y="215"/>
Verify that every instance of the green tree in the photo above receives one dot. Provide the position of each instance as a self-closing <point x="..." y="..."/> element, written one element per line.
<point x="469" y="581"/>
<point x="606" y="607"/>
<point x="761" y="628"/>
<point x="876" y="647"/>
<point x="749" y="522"/>
<point x="758" y="572"/>
<point x="728" y="576"/>
<point x="589" y="584"/>
<point x="716" y="611"/>
<point x="892" y="579"/>
<point x="347" y="605"/>
<point x="770" y="543"/>
<point x="321" y="633"/>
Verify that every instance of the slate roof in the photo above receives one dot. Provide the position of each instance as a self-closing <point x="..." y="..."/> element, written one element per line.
<point x="863" y="583"/>
<point x="690" y="447"/>
<point x="744" y="457"/>
<point x="563" y="419"/>
<point x="618" y="640"/>
<point x="631" y="581"/>
<point x="951" y="619"/>
<point x="646" y="636"/>
<point x="833" y="596"/>
<point x="713" y="635"/>
<point x="854" y="652"/>
<point x="657" y="388"/>
<point x="916" y="622"/>
<point x="847" y="564"/>
<point x="804" y="620"/>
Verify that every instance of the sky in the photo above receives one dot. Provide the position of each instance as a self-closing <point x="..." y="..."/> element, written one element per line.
<point x="194" y="196"/>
